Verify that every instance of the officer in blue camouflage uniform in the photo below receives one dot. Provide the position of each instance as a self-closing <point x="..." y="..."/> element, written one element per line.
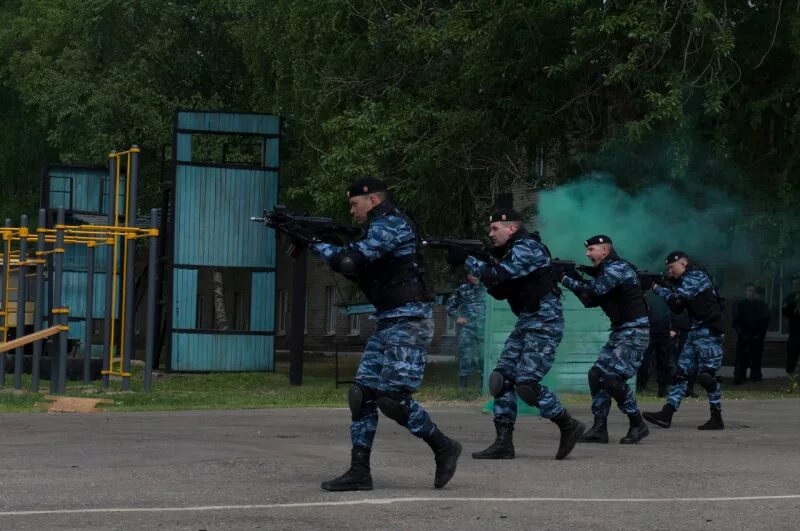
<point x="521" y="272"/>
<point x="616" y="289"/>
<point x="386" y="264"/>
<point x="467" y="305"/>
<point x="702" y="353"/>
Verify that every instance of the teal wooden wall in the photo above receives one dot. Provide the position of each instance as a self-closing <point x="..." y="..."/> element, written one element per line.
<point x="212" y="227"/>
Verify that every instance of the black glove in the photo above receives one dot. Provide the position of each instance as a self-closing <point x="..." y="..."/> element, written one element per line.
<point x="456" y="255"/>
<point x="574" y="275"/>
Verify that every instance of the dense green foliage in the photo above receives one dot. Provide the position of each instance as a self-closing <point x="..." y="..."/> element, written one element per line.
<point x="452" y="101"/>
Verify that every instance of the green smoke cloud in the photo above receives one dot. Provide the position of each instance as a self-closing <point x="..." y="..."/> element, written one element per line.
<point x="645" y="225"/>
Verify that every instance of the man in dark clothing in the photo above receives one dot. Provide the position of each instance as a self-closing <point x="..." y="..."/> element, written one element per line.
<point x="791" y="310"/>
<point x="659" y="348"/>
<point x="750" y="321"/>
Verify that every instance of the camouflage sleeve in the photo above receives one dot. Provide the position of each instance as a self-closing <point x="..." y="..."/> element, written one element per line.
<point x="611" y="277"/>
<point x="326" y="251"/>
<point x="383" y="236"/>
<point x="692" y="284"/>
<point x="526" y="257"/>
<point x="452" y="304"/>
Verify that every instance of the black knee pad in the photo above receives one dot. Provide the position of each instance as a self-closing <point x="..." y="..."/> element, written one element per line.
<point x="707" y="380"/>
<point x="616" y="387"/>
<point x="679" y="378"/>
<point x="391" y="404"/>
<point x="595" y="376"/>
<point x="357" y="397"/>
<point x="530" y="393"/>
<point x="498" y="384"/>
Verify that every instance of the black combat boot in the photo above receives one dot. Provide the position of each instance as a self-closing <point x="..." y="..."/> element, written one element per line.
<point x="357" y="477"/>
<point x="446" y="452"/>
<point x="503" y="445"/>
<point x="663" y="418"/>
<point x="637" y="430"/>
<point x="463" y="380"/>
<point x="598" y="433"/>
<point x="571" y="431"/>
<point x="715" y="422"/>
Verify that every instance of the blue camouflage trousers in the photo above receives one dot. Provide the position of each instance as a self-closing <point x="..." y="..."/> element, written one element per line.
<point x="527" y="356"/>
<point x="470" y="350"/>
<point x="394" y="360"/>
<point x="702" y="352"/>
<point x="620" y="357"/>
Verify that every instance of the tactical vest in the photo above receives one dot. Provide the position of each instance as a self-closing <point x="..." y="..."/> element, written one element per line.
<point x="624" y="303"/>
<point x="524" y="294"/>
<point x="392" y="281"/>
<point x="706" y="310"/>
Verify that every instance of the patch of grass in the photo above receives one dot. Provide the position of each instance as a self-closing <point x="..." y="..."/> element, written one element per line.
<point x="181" y="391"/>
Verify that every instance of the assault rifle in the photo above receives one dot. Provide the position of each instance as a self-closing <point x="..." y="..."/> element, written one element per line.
<point x="304" y="230"/>
<point x="562" y="267"/>
<point x="474" y="248"/>
<point x="646" y="278"/>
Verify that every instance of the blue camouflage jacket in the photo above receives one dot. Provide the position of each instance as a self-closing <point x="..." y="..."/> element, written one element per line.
<point x="693" y="282"/>
<point x="385" y="234"/>
<point x="526" y="256"/>
<point x="613" y="272"/>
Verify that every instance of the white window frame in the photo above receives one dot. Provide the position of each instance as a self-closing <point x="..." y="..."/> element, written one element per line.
<point x="778" y="333"/>
<point x="354" y="324"/>
<point x="200" y="311"/>
<point x="282" y="311"/>
<point x="330" y="310"/>
<point x="449" y="326"/>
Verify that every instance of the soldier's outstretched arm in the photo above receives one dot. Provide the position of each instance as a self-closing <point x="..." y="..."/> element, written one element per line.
<point x="690" y="287"/>
<point x="599" y="285"/>
<point x="381" y="238"/>
<point x="524" y="260"/>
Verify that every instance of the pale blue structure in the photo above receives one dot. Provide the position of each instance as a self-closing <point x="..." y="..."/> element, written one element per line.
<point x="211" y="229"/>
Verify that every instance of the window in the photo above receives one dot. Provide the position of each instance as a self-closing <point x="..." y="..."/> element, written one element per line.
<point x="355" y="324"/>
<point x="200" y="312"/>
<point x="234" y="285"/>
<point x="330" y="313"/>
<point x="450" y="326"/>
<point x="283" y="309"/>
<point x="240" y="313"/>
<point x="776" y="290"/>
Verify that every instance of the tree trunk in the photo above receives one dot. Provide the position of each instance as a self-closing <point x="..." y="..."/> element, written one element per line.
<point x="220" y="316"/>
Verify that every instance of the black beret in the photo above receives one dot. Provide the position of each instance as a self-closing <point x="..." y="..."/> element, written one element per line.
<point x="674" y="256"/>
<point x="505" y="214"/>
<point x="366" y="185"/>
<point x="594" y="240"/>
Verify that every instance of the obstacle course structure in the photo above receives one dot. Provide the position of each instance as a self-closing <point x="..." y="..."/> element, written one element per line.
<point x="54" y="241"/>
<point x="214" y="243"/>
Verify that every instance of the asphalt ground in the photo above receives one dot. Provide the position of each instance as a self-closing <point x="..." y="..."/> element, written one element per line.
<point x="261" y="469"/>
